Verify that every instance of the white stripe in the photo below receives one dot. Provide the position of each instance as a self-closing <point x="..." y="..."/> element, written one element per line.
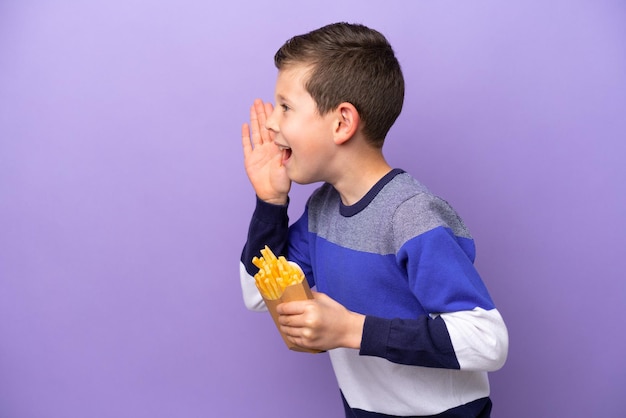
<point x="479" y="337"/>
<point x="378" y="385"/>
<point x="251" y="296"/>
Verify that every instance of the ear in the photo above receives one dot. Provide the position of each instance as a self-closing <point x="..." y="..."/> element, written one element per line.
<point x="347" y="122"/>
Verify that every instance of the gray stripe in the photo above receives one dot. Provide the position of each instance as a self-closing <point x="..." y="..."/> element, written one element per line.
<point x="402" y="210"/>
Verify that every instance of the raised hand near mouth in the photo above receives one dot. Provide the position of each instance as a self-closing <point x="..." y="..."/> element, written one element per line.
<point x="263" y="158"/>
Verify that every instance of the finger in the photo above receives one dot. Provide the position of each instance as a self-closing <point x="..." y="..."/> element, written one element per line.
<point x="254" y="126"/>
<point x="269" y="109"/>
<point x="245" y="139"/>
<point x="290" y="308"/>
<point x="292" y="333"/>
<point x="302" y="337"/>
<point x="259" y="108"/>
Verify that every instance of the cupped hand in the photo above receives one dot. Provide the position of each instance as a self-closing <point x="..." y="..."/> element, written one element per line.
<point x="263" y="158"/>
<point x="320" y="323"/>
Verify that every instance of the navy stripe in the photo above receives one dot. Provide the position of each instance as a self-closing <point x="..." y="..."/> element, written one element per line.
<point x="416" y="342"/>
<point x="371" y="194"/>
<point x="480" y="408"/>
<point x="269" y="226"/>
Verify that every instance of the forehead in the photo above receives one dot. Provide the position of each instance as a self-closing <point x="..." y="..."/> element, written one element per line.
<point x="291" y="80"/>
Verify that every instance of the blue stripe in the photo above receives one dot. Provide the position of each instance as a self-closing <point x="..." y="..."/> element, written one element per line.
<point x="432" y="273"/>
<point x="442" y="274"/>
<point x="367" y="283"/>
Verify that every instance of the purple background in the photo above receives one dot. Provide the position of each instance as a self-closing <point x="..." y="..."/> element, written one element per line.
<point x="124" y="204"/>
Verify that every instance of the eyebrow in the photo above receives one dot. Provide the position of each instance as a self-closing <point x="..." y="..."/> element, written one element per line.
<point x="281" y="98"/>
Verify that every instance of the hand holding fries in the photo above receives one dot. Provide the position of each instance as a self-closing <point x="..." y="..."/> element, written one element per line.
<point x="320" y="323"/>
<point x="304" y="319"/>
<point x="280" y="281"/>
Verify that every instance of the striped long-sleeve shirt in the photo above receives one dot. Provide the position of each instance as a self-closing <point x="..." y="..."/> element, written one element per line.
<point x="402" y="257"/>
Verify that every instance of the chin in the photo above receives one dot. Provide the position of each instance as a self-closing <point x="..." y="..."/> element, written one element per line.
<point x="303" y="178"/>
<point x="299" y="179"/>
<point x="305" y="181"/>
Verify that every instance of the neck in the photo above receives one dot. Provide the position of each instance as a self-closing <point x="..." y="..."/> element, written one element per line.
<point x="360" y="174"/>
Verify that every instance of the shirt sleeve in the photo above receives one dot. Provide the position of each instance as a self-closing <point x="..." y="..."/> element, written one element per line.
<point x="268" y="226"/>
<point x="474" y="340"/>
<point x="462" y="328"/>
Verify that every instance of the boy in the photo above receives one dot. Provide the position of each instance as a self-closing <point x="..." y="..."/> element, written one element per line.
<point x="408" y="323"/>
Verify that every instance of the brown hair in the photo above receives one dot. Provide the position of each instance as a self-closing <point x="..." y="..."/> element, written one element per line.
<point x="350" y="63"/>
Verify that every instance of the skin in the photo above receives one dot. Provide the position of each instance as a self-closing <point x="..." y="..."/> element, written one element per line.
<point x="294" y="143"/>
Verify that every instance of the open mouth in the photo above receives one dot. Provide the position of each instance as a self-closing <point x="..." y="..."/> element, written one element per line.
<point x="286" y="153"/>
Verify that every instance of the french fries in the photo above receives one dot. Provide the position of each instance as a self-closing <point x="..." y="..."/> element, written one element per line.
<point x="279" y="281"/>
<point x="275" y="274"/>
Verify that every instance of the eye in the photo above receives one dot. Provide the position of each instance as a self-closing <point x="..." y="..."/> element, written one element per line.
<point x="284" y="107"/>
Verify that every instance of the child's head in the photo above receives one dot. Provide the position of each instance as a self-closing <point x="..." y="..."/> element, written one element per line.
<point x="350" y="63"/>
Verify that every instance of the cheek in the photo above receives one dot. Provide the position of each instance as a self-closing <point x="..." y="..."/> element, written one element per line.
<point x="287" y="129"/>
<point x="306" y="138"/>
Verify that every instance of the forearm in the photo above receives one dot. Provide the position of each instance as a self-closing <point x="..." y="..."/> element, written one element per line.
<point x="268" y="226"/>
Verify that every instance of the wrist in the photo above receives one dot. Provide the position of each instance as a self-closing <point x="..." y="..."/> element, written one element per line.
<point x="277" y="201"/>
<point x="274" y="201"/>
<point x="354" y="332"/>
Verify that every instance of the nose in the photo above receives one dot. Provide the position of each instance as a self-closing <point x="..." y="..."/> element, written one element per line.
<point x="272" y="121"/>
